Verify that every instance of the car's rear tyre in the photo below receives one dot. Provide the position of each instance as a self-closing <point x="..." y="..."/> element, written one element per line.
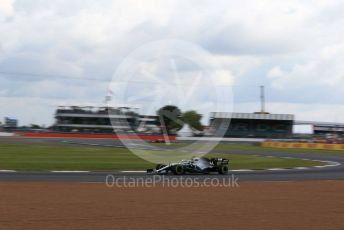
<point x="223" y="169"/>
<point x="178" y="170"/>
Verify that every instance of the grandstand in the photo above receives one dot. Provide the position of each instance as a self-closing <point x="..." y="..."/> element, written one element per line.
<point x="258" y="125"/>
<point x="10" y="124"/>
<point x="94" y="119"/>
<point x="90" y="119"/>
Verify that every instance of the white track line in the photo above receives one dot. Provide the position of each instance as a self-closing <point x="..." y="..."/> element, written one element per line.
<point x="276" y="169"/>
<point x="241" y="170"/>
<point x="333" y="163"/>
<point x="133" y="171"/>
<point x="4" y="170"/>
<point x="300" y="168"/>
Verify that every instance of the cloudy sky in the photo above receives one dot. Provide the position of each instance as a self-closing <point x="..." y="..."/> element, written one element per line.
<point x="68" y="51"/>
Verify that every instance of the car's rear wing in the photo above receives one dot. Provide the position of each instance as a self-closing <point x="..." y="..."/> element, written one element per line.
<point x="219" y="161"/>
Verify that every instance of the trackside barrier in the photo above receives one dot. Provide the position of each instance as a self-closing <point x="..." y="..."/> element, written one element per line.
<point x="99" y="136"/>
<point x="3" y="134"/>
<point x="295" y="145"/>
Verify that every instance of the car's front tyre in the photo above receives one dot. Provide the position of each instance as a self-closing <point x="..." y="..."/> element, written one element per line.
<point x="178" y="170"/>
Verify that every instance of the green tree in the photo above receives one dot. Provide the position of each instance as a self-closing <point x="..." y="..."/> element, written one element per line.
<point x="34" y="126"/>
<point x="193" y="119"/>
<point x="170" y="118"/>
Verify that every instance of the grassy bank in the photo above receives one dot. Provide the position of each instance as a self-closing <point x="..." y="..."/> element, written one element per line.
<point x="48" y="157"/>
<point x="252" y="147"/>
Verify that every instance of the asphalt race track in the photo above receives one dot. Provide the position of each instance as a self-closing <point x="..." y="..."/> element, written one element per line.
<point x="320" y="173"/>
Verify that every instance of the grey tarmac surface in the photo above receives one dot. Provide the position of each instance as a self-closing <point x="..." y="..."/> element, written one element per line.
<point x="328" y="173"/>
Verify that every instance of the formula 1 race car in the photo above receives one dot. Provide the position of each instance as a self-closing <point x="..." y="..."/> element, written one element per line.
<point x="158" y="141"/>
<point x="195" y="165"/>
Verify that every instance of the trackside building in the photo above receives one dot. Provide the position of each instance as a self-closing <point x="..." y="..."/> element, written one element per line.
<point x="94" y="119"/>
<point x="90" y="119"/>
<point x="260" y="125"/>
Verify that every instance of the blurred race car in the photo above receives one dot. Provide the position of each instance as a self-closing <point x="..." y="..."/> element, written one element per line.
<point x="158" y="141"/>
<point x="195" y="165"/>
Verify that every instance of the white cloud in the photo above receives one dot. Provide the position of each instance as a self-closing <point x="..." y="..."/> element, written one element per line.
<point x="223" y="77"/>
<point x="295" y="47"/>
<point x="275" y="72"/>
<point x="6" y="7"/>
<point x="323" y="68"/>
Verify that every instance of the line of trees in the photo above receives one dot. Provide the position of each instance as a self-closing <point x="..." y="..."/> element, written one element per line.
<point x="173" y="119"/>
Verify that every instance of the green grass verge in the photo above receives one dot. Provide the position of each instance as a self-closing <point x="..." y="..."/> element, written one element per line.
<point x="47" y="157"/>
<point x="229" y="146"/>
<point x="259" y="148"/>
